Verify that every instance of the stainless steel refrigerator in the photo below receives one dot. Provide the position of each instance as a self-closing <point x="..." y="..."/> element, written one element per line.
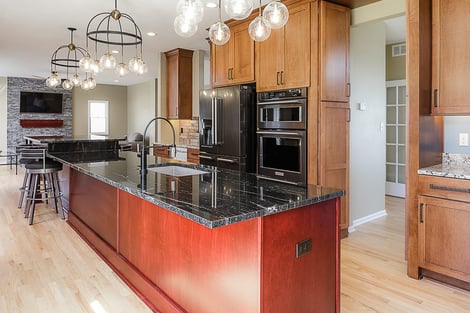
<point x="227" y="127"/>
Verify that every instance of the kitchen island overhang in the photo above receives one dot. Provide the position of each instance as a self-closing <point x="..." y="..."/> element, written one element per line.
<point x="186" y="241"/>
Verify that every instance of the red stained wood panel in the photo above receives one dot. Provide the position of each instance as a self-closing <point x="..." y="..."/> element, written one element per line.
<point x="307" y="283"/>
<point x="41" y="123"/>
<point x="95" y="203"/>
<point x="202" y="269"/>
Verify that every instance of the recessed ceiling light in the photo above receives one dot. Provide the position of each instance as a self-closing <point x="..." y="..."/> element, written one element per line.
<point x="211" y="5"/>
<point x="151" y="34"/>
<point x="115" y="52"/>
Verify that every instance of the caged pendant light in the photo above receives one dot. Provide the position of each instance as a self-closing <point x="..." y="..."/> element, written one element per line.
<point x="109" y="29"/>
<point x="67" y="56"/>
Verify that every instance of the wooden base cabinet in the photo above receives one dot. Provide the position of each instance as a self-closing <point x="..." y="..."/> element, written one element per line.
<point x="443" y="227"/>
<point x="443" y="233"/>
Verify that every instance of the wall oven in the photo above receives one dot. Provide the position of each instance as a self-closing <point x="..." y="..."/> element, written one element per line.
<point x="281" y="135"/>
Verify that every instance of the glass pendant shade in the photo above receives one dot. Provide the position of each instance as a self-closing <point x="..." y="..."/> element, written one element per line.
<point x="238" y="9"/>
<point x="184" y="27"/>
<point x="107" y="61"/>
<point x="85" y="63"/>
<point x="76" y="81"/>
<point x="259" y="29"/>
<point x="134" y="64"/>
<point x="67" y="84"/>
<point x="53" y="80"/>
<point x="276" y="13"/>
<point x="143" y="69"/>
<point x="121" y="69"/>
<point x="219" y="33"/>
<point x="92" y="82"/>
<point x="191" y="10"/>
<point x="95" y="67"/>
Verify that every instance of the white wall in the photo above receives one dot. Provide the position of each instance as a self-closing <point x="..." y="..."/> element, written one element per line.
<point x="141" y="108"/>
<point x="3" y="115"/>
<point x="367" y="137"/>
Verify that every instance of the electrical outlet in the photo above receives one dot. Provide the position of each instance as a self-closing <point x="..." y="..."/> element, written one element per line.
<point x="463" y="139"/>
<point x="303" y="247"/>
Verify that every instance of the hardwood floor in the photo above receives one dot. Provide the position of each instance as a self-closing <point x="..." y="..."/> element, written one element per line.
<point x="46" y="267"/>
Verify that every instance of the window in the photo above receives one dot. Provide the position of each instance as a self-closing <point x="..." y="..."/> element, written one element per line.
<point x="98" y="121"/>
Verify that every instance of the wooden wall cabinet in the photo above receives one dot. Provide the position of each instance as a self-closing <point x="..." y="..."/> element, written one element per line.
<point x="179" y="76"/>
<point x="443" y="219"/>
<point x="283" y="60"/>
<point x="334" y="52"/>
<point x="451" y="64"/>
<point x="234" y="62"/>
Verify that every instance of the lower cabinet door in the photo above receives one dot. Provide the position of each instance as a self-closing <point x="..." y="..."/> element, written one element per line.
<point x="443" y="234"/>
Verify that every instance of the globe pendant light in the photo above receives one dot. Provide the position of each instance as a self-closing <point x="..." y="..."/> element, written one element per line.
<point x="259" y="29"/>
<point x="276" y="13"/>
<point x="53" y="80"/>
<point x="190" y="10"/>
<point x="108" y="61"/>
<point x="184" y="27"/>
<point x="67" y="84"/>
<point x="219" y="33"/>
<point x="238" y="9"/>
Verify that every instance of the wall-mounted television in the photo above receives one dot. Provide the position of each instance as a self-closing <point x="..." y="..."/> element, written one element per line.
<point x="40" y="102"/>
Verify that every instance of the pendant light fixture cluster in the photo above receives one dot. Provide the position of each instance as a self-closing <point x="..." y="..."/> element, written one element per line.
<point x="114" y="31"/>
<point x="274" y="16"/>
<point x="68" y="56"/>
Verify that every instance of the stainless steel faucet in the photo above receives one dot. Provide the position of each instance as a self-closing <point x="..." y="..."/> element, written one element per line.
<point x="143" y="154"/>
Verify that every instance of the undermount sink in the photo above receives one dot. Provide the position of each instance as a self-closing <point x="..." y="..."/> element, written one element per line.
<point x="176" y="170"/>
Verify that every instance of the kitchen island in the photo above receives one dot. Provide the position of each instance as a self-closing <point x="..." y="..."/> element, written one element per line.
<point x="221" y="241"/>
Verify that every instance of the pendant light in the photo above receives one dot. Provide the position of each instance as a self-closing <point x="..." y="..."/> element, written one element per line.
<point x="189" y="14"/>
<point x="238" y="9"/>
<point x="276" y="13"/>
<point x="259" y="29"/>
<point x="219" y="33"/>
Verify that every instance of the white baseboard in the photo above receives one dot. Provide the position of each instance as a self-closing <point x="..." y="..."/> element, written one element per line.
<point x="366" y="219"/>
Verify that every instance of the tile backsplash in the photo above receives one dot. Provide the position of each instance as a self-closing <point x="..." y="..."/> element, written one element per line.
<point x="190" y="135"/>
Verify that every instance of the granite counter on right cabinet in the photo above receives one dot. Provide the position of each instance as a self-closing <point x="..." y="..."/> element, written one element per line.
<point x="444" y="219"/>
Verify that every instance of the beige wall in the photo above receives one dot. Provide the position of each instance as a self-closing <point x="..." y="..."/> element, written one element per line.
<point x="141" y="107"/>
<point x="3" y="114"/>
<point x="117" y="97"/>
<point x="395" y="66"/>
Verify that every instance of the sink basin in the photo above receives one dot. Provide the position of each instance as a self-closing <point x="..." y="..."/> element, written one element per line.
<point x="176" y="170"/>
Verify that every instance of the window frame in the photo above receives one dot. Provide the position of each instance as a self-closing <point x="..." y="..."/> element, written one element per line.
<point x="106" y="132"/>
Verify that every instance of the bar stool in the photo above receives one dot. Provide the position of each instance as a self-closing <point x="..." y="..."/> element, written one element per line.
<point x="41" y="179"/>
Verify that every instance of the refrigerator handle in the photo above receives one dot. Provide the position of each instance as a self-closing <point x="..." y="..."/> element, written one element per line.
<point x="213" y="119"/>
<point x="216" y="118"/>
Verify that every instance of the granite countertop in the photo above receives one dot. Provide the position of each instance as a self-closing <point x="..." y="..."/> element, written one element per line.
<point x="452" y="166"/>
<point x="219" y="197"/>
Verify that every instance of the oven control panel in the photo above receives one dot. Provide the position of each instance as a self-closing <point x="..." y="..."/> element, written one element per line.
<point x="282" y="94"/>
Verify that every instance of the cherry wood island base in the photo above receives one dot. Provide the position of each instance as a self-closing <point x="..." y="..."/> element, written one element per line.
<point x="177" y="265"/>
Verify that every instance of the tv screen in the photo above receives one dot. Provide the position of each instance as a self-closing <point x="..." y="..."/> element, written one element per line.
<point x="40" y="102"/>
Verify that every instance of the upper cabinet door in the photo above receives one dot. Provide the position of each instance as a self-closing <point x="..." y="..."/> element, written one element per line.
<point x="296" y="69"/>
<point x="234" y="62"/>
<point x="283" y="60"/>
<point x="451" y="61"/>
<point x="334" y="52"/>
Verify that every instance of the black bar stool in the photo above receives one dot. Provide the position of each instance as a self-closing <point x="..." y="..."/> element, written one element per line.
<point x="40" y="181"/>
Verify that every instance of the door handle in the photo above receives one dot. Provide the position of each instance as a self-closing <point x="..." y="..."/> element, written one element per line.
<point x="348" y="90"/>
<point x="421" y="220"/>
<point x="277" y="78"/>
<point x="226" y="160"/>
<point x="282" y="78"/>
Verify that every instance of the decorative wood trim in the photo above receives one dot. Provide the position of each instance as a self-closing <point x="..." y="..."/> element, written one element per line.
<point x="41" y="123"/>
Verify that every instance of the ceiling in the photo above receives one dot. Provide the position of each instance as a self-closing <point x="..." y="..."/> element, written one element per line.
<point x="31" y="31"/>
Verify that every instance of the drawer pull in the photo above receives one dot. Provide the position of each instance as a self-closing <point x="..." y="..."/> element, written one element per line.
<point x="432" y="186"/>
<point x="421" y="213"/>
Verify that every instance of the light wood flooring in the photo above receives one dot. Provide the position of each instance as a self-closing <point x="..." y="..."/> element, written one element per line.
<point x="46" y="267"/>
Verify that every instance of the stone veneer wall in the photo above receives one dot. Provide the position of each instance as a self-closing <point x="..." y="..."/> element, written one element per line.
<point x="190" y="135"/>
<point x="15" y="132"/>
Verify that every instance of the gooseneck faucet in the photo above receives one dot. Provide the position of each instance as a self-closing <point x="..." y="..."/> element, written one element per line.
<point x="143" y="153"/>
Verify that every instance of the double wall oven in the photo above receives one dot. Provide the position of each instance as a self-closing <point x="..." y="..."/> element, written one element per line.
<point x="281" y="135"/>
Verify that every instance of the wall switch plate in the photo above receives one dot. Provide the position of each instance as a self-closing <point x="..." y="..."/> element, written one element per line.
<point x="303" y="247"/>
<point x="362" y="106"/>
<point x="463" y="139"/>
